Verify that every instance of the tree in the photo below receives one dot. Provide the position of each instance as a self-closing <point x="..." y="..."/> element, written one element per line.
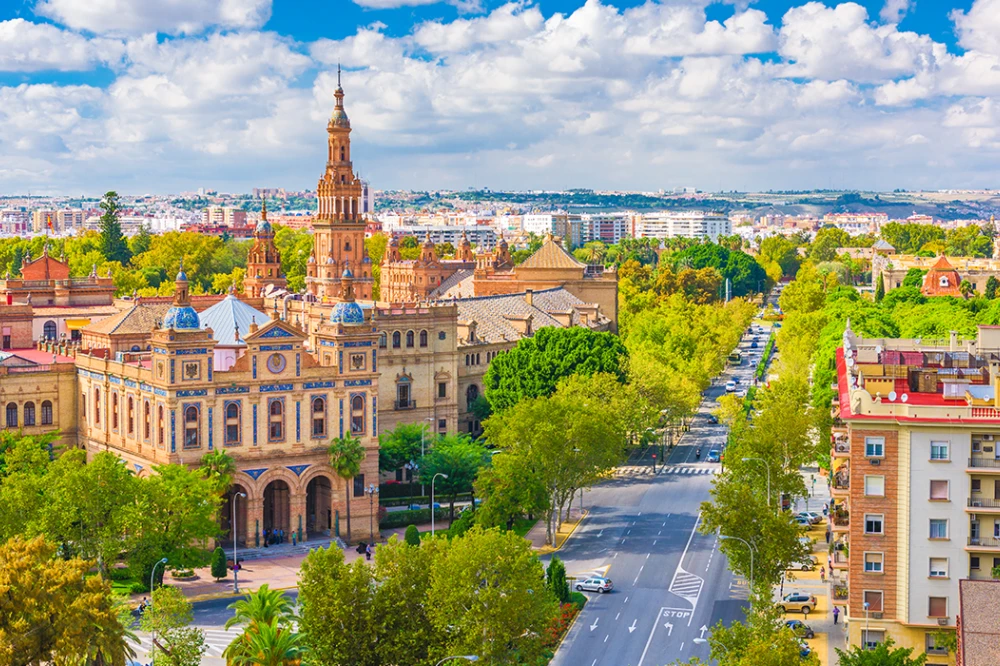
<point x="141" y="242"/>
<point x="219" y="567"/>
<point x="992" y="284"/>
<point x="914" y="278"/>
<point x="218" y="467"/>
<point x="400" y="446"/>
<point x="762" y="640"/>
<point x="113" y="243"/>
<point x="168" y="617"/>
<point x="346" y="456"/>
<point x="536" y="364"/>
<point x="882" y="655"/>
<point x="828" y="240"/>
<point x="780" y="251"/>
<point x="270" y="645"/>
<point x="458" y="458"/>
<point x="266" y="613"/>
<point x="51" y="611"/>
<point x="555" y="579"/>
<point x="965" y="288"/>
<point x="412" y="536"/>
<point x="510" y="487"/>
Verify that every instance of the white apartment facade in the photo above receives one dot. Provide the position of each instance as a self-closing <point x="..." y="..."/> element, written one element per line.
<point x="682" y="224"/>
<point x="568" y="226"/>
<point x="609" y="228"/>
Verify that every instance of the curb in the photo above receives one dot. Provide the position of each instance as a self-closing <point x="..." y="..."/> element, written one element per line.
<point x="568" y="629"/>
<point x="545" y="550"/>
<point x="229" y="595"/>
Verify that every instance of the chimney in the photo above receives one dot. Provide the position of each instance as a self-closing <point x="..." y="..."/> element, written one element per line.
<point x="953" y="342"/>
<point x="529" y="296"/>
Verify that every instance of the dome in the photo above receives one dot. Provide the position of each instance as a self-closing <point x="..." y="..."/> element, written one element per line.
<point x="181" y="275"/>
<point x="347" y="312"/>
<point x="339" y="118"/>
<point x="348" y="273"/>
<point x="264" y="226"/>
<point x="181" y="318"/>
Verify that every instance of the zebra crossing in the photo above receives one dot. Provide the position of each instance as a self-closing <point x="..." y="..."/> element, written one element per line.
<point x="216" y="641"/>
<point x="681" y="469"/>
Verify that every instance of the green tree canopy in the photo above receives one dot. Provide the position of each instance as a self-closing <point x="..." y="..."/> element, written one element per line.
<point x="457" y="457"/>
<point x="114" y="247"/>
<point x="914" y="278"/>
<point x="883" y="655"/>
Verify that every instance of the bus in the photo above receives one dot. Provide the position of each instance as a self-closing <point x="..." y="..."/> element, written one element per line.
<point x="736" y="358"/>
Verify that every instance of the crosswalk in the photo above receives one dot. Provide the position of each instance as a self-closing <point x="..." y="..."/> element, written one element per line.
<point x="678" y="469"/>
<point x="216" y="641"/>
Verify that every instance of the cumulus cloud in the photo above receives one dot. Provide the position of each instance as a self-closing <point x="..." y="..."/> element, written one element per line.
<point x="978" y="28"/>
<point x="32" y="47"/>
<point x="167" y="16"/>
<point x="894" y="10"/>
<point x="463" y="5"/>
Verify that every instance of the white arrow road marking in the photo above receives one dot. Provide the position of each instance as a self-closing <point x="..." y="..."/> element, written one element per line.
<point x="632" y="628"/>
<point x="703" y="630"/>
<point x="700" y="640"/>
<point x="670" y="628"/>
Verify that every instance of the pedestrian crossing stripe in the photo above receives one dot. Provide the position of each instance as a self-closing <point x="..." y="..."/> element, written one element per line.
<point x="689" y="470"/>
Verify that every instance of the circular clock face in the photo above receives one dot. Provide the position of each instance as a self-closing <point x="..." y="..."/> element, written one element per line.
<point x="275" y="363"/>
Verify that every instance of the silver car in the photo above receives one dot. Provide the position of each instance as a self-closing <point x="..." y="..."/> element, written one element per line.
<point x="596" y="584"/>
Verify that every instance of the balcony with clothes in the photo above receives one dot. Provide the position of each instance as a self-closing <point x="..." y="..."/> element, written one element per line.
<point x="841" y="445"/>
<point x="840" y="482"/>
<point x="840" y="519"/>
<point x="839" y="556"/>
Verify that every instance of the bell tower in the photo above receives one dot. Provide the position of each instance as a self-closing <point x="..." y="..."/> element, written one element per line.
<point x="263" y="260"/>
<point x="339" y="227"/>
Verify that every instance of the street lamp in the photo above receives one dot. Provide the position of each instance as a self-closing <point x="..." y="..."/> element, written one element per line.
<point x="864" y="643"/>
<point x="236" y="562"/>
<point x="423" y="430"/>
<point x="433" y="479"/>
<point x="152" y="637"/>
<point x="467" y="657"/>
<point x="372" y="492"/>
<point x="768" y="468"/>
<point x="412" y="468"/>
<point x="750" y="548"/>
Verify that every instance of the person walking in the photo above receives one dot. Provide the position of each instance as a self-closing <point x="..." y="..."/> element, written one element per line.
<point x="368" y="552"/>
<point x="822" y="574"/>
<point x="836" y="614"/>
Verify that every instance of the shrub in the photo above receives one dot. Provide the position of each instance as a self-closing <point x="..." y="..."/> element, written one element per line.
<point x="560" y="624"/>
<point x="139" y="588"/>
<point x="410" y="517"/>
<point x="555" y="580"/>
<point x="412" y="536"/>
<point x="219" y="569"/>
<point x="465" y="521"/>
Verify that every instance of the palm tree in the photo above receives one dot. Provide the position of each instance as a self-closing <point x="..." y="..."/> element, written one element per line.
<point x="346" y="454"/>
<point x="268" y="645"/>
<point x="258" y="611"/>
<point x="218" y="467"/>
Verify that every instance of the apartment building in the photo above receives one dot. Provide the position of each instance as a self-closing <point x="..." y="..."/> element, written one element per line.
<point x="226" y="216"/>
<point x="916" y="482"/>
<point x="481" y="235"/>
<point x="563" y="225"/>
<point x="609" y="228"/>
<point x="683" y="224"/>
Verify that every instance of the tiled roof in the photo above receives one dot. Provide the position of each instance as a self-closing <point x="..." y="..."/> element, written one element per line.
<point x="229" y="314"/>
<point x="942" y="264"/>
<point x="551" y="255"/>
<point x="882" y="245"/>
<point x="140" y="318"/>
<point x="456" y="285"/>
<point x="493" y="314"/>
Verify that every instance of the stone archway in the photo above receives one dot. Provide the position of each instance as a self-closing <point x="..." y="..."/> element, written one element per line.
<point x="226" y="516"/>
<point x="319" y="507"/>
<point x="277" y="507"/>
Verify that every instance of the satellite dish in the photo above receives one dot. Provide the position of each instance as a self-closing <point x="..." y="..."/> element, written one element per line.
<point x="878" y="349"/>
<point x="918" y="340"/>
<point x="904" y="397"/>
<point x="892" y="396"/>
<point x="849" y="362"/>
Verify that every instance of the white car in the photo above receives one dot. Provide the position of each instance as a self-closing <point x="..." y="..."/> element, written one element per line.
<point x="730" y="386"/>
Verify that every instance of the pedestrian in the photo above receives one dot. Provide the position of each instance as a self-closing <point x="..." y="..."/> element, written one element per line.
<point x="826" y="508"/>
<point x="836" y="614"/>
<point x="828" y="535"/>
<point x="265" y="538"/>
<point x="293" y="538"/>
<point x="822" y="574"/>
<point x="281" y="536"/>
<point x="368" y="552"/>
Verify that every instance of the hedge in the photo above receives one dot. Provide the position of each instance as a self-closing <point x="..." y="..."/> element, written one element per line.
<point x="411" y="517"/>
<point x="425" y="499"/>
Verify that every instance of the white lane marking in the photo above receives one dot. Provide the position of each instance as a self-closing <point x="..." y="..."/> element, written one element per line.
<point x="606" y="638"/>
<point x="654" y="542"/>
<point x="639" y="514"/>
<point x="632" y="628"/>
<point x="628" y="531"/>
<point x="626" y="600"/>
<point x="659" y="532"/>
<point x="616" y="555"/>
<point x="647" y="554"/>
<point x="618" y="616"/>
<point x="682" y="646"/>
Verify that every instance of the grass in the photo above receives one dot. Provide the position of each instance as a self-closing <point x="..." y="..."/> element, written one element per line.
<point x="578" y="598"/>
<point x="523" y="525"/>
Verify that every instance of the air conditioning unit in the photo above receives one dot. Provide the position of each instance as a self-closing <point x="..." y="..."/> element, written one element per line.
<point x="943" y="621"/>
<point x="875" y="461"/>
<point x="876" y="616"/>
<point x="977" y="503"/>
<point x="987" y="438"/>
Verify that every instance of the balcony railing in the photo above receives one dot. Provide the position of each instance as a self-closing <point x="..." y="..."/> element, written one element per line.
<point x="405" y="404"/>
<point x="842" y="447"/>
<point x="989" y="542"/>
<point x="992" y="463"/>
<point x="841" y="519"/>
<point x="841" y="484"/>
<point x="984" y="503"/>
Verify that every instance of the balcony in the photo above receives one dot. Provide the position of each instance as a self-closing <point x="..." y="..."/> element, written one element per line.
<point x="983" y="543"/>
<point x="841" y="486"/>
<point x="984" y="465"/>
<point x="400" y="405"/>
<point x="840" y="559"/>
<point x="841" y="447"/>
<point x="841" y="521"/>
<point x="982" y="505"/>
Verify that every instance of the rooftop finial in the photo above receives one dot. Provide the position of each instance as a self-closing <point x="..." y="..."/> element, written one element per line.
<point x="263" y="208"/>
<point x="338" y="74"/>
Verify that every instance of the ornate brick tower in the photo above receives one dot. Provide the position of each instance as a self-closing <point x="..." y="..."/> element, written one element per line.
<point x="264" y="260"/>
<point x="338" y="225"/>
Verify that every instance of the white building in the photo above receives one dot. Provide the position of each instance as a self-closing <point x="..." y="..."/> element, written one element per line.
<point x="609" y="228"/>
<point x="479" y="235"/>
<point x="564" y="225"/>
<point x="683" y="224"/>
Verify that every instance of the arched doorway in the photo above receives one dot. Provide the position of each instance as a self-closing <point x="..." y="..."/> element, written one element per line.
<point x="226" y="518"/>
<point x="319" y="512"/>
<point x="277" y="509"/>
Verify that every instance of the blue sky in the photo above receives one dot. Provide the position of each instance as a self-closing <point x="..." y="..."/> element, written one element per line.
<point x="231" y="94"/>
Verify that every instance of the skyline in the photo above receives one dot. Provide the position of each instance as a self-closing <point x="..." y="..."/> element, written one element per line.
<point x="235" y="94"/>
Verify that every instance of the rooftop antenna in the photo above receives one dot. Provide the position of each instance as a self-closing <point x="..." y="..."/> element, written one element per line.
<point x="338" y="73"/>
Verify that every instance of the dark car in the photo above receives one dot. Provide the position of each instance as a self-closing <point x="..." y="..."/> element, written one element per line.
<point x="713" y="455"/>
<point x="753" y="345"/>
<point x="711" y="418"/>
<point x="800" y="628"/>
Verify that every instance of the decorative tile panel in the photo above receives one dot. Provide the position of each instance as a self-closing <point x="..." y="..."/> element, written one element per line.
<point x="275" y="388"/>
<point x="192" y="393"/>
<point x="277" y="347"/>
<point x="227" y="390"/>
<point x="319" y="385"/>
<point x="255" y="473"/>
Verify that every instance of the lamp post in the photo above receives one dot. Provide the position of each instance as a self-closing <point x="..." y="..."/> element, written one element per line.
<point x="152" y="638"/>
<point x="864" y="643"/>
<point x="372" y="492"/>
<point x="423" y="430"/>
<point x="467" y="657"/>
<point x="412" y="468"/>
<point x="236" y="562"/>
<point x="768" y="468"/>
<point x="750" y="548"/>
<point x="433" y="479"/>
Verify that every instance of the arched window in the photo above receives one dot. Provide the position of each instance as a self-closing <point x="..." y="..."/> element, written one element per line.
<point x="47" y="413"/>
<point x="409" y="339"/>
<point x="276" y="420"/>
<point x="358" y="415"/>
<point x="135" y="348"/>
<point x="131" y="416"/>
<point x="147" y="425"/>
<point x="114" y="411"/>
<point x="383" y="340"/>
<point x="97" y="406"/>
<point x="343" y="153"/>
<point x="319" y="417"/>
<point x="159" y="427"/>
<point x="11" y="414"/>
<point x="396" y="339"/>
<point x="347" y="246"/>
<point x="29" y="413"/>
<point x="471" y="395"/>
<point x="233" y="425"/>
<point x="49" y="330"/>
<point x="192" y="427"/>
<point x="423" y="338"/>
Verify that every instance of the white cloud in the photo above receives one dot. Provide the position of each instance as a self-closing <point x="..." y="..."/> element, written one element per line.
<point x="32" y="47"/>
<point x="167" y="16"/>
<point x="978" y="28"/>
<point x="893" y="11"/>
<point x="462" y="5"/>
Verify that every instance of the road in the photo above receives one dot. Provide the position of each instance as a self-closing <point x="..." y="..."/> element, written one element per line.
<point x="671" y="582"/>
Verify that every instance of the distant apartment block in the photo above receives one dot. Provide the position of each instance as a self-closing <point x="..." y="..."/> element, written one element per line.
<point x="56" y="221"/>
<point x="684" y="224"/>
<point x="15" y="222"/>
<point x="564" y="225"/>
<point x="268" y="193"/>
<point x="609" y="228"/>
<point x="857" y="223"/>
<point x="226" y="216"/>
<point x="481" y="236"/>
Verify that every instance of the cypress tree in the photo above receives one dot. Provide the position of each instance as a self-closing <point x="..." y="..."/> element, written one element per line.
<point x="114" y="247"/>
<point x="219" y="569"/>
<point x="879" y="289"/>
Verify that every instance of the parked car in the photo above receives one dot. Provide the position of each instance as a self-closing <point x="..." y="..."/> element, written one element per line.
<point x="711" y="418"/>
<point x="742" y="393"/>
<point x="713" y="456"/>
<point x="730" y="386"/>
<point x="798" y="601"/>
<point x="800" y="628"/>
<point x="804" y="650"/>
<point x="753" y="345"/>
<point x="596" y="584"/>
<point x="813" y="517"/>
<point x="803" y="521"/>
<point x="807" y="564"/>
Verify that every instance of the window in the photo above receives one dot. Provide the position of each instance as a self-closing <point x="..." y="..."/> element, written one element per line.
<point x="409" y="339"/>
<point x="873" y="598"/>
<point x="46" y="413"/>
<point x="275" y="419"/>
<point x="932" y="646"/>
<point x="395" y="340"/>
<point x="11" y="415"/>
<point x="442" y="425"/>
<point x="874" y="447"/>
<point x="97" y="406"/>
<point x="873" y="523"/>
<point x="131" y="417"/>
<point x="939" y="450"/>
<point x="383" y="340"/>
<point x="357" y="415"/>
<point x="442" y="389"/>
<point x="937" y="606"/>
<point x="359" y="485"/>
<point x="49" y="330"/>
<point x="403" y="394"/>
<point x="29" y="413"/>
<point x="423" y="338"/>
<point x="233" y="424"/>
<point x="939" y="567"/>
<point x="977" y="486"/>
<point x="192" y="427"/>
<point x="114" y="411"/>
<point x="873" y="562"/>
<point x="441" y="335"/>
<point x="939" y="490"/>
<point x="147" y="426"/>
<point x="319" y="417"/>
<point x="875" y="486"/>
<point x="974" y="563"/>
<point x="160" y="438"/>
<point x="870" y="638"/>
<point x="939" y="528"/>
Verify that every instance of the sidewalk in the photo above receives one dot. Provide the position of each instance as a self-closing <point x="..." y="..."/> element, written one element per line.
<point x="536" y="535"/>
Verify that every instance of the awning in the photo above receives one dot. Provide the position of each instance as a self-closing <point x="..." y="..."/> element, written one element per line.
<point x="76" y="324"/>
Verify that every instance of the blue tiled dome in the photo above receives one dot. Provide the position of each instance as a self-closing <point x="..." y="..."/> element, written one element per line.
<point x="182" y="318"/>
<point x="347" y="313"/>
<point x="264" y="227"/>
